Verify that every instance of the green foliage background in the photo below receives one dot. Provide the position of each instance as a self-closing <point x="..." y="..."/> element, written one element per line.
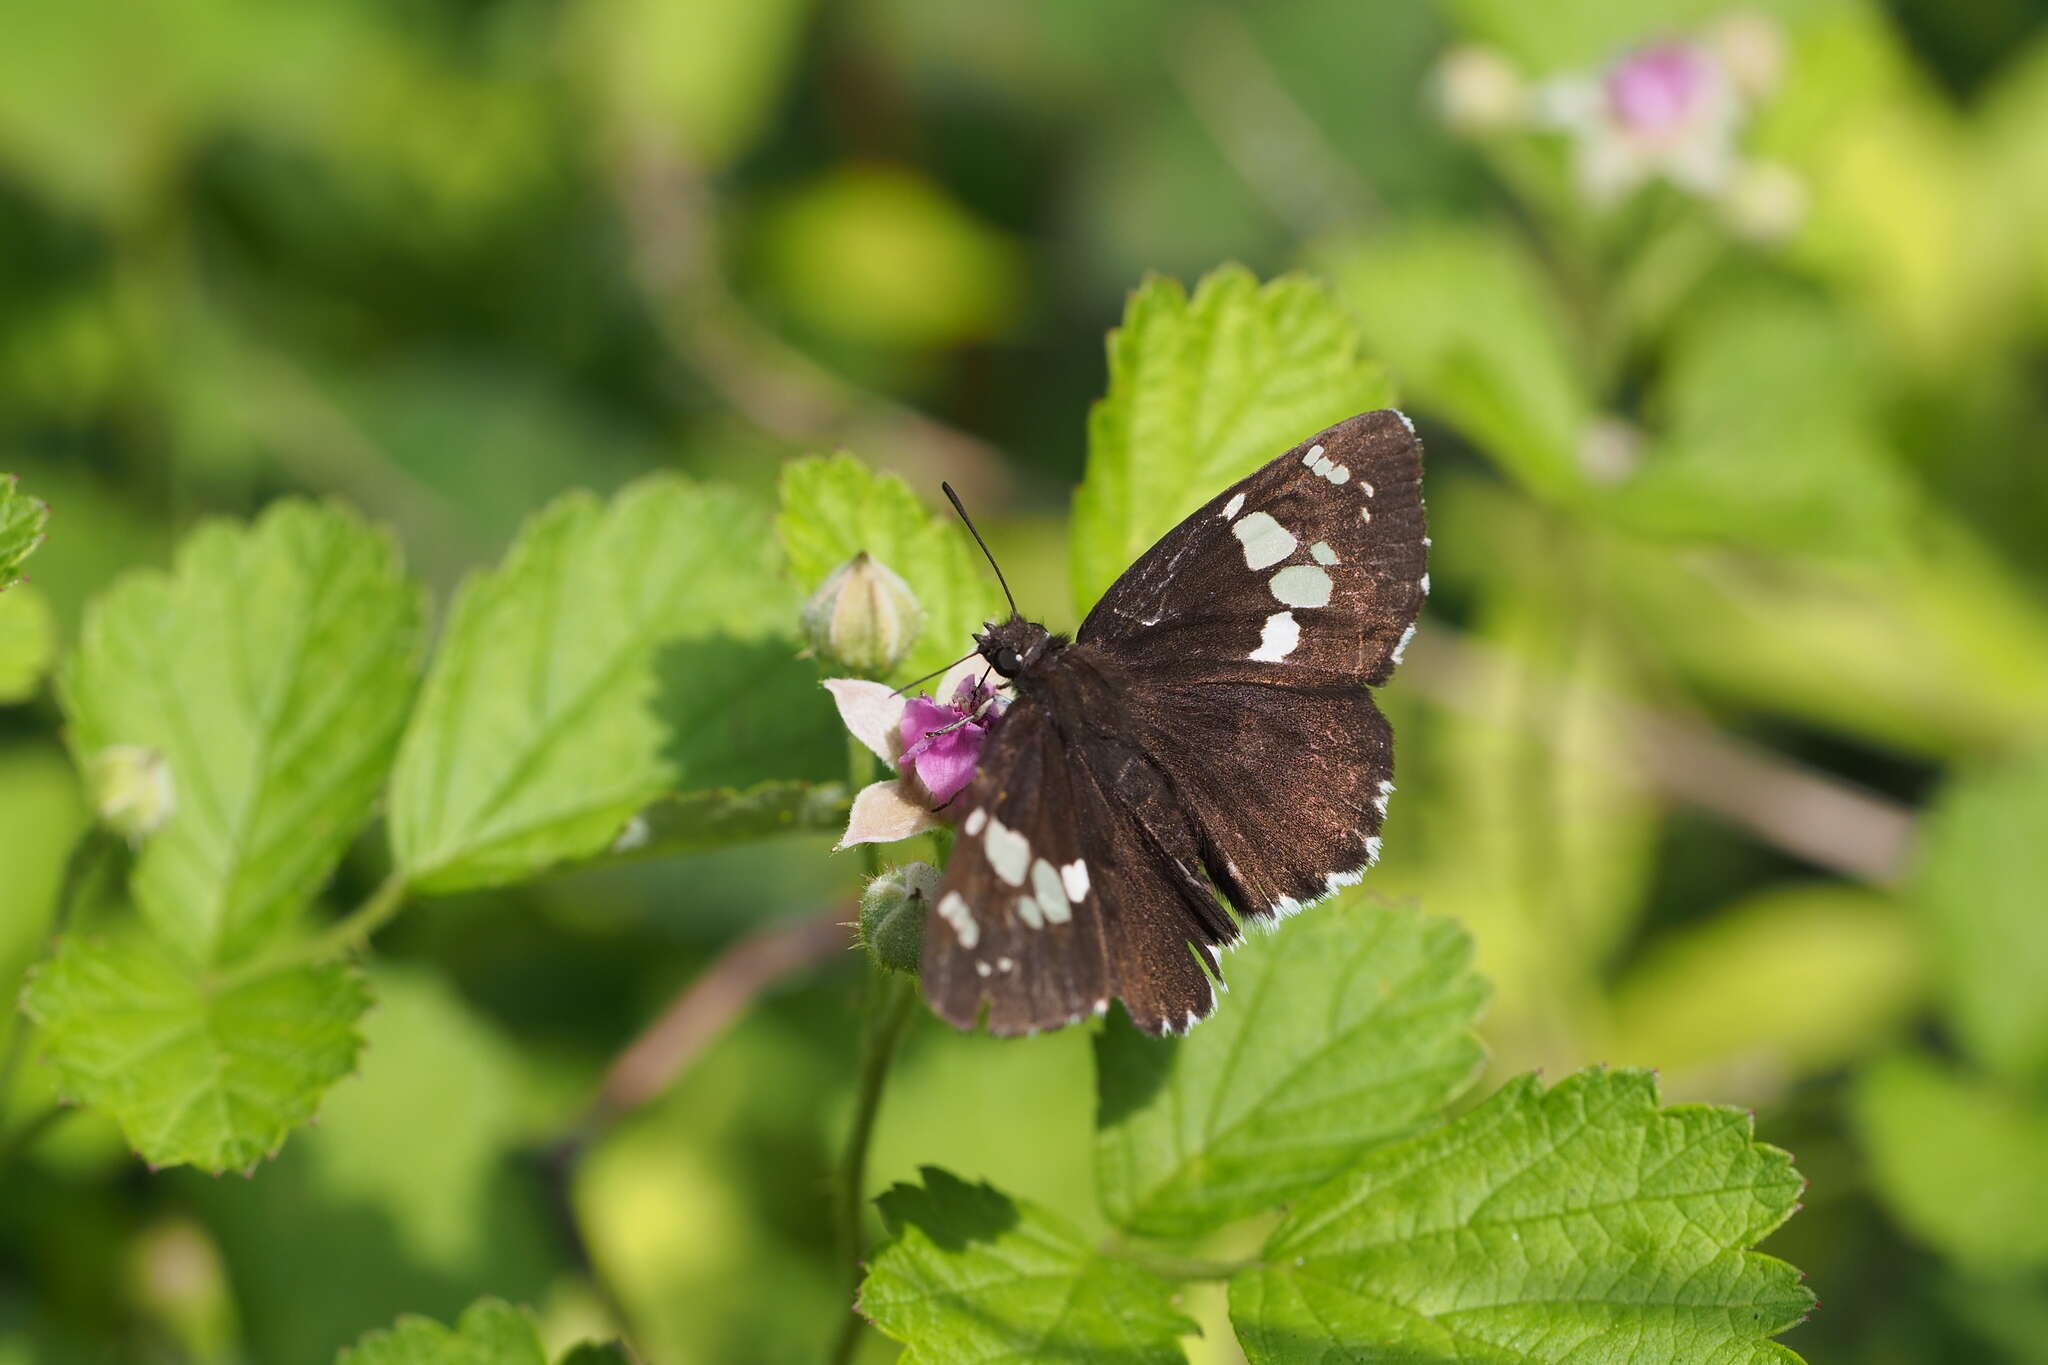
<point x="1712" y="514"/>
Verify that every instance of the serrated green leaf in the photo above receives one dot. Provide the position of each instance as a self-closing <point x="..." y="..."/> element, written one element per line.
<point x="490" y="1332"/>
<point x="22" y="519"/>
<point x="535" y="739"/>
<point x="834" y="507"/>
<point x="1983" y="866"/>
<point x="28" y="641"/>
<point x="1202" y="391"/>
<point x="1471" y="327"/>
<point x="270" y="673"/>
<point x="1344" y="1028"/>
<point x="1582" y="1224"/>
<point x="1958" y="1161"/>
<point x="197" y="1071"/>
<point x="974" y="1276"/>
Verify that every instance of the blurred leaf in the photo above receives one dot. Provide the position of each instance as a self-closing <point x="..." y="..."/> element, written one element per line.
<point x="1772" y="434"/>
<point x="198" y="1070"/>
<point x="419" y="1131"/>
<point x="593" y="1353"/>
<point x="1471" y="329"/>
<point x="533" y="742"/>
<point x="490" y="1332"/>
<point x="882" y="256"/>
<point x="695" y="821"/>
<point x="1983" y="867"/>
<point x="1344" y="1028"/>
<point x="834" y="507"/>
<point x="1958" y="1160"/>
<point x="270" y="673"/>
<point x="1580" y="1224"/>
<point x="973" y="1276"/>
<point x="28" y="642"/>
<point x="23" y="520"/>
<point x="1779" y="985"/>
<point x="1202" y="391"/>
<point x="739" y="711"/>
<point x="1578" y="35"/>
<point x="707" y="77"/>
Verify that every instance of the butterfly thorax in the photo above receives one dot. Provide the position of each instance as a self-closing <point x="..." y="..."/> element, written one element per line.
<point x="1017" y="648"/>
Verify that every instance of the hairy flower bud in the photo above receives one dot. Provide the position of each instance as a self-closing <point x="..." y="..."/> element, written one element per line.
<point x="864" y="617"/>
<point x="892" y="912"/>
<point x="132" y="790"/>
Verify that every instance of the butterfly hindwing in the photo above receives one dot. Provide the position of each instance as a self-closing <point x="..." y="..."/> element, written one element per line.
<point x="1207" y="739"/>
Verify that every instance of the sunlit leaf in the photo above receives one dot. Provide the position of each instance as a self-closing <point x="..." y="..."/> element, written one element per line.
<point x="264" y="680"/>
<point x="1203" y="390"/>
<point x="1958" y="1160"/>
<point x="834" y="508"/>
<point x="490" y="1332"/>
<point x="198" y="1069"/>
<point x="1980" y="883"/>
<point x="28" y="642"/>
<point x="22" y="519"/>
<point x="1347" y="1026"/>
<point x="1580" y="1224"/>
<point x="973" y="1276"/>
<point x="535" y="739"/>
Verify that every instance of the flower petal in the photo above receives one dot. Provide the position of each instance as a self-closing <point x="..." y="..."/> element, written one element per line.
<point x="871" y="711"/>
<point x="884" y="812"/>
<point x="971" y="667"/>
<point x="945" y="763"/>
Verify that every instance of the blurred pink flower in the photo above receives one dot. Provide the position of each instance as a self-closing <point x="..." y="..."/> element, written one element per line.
<point x="934" y="747"/>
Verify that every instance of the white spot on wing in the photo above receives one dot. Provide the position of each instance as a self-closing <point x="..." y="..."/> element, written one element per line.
<point x="953" y="910"/>
<point x="1074" y="876"/>
<point x="1404" y="421"/>
<point x="1321" y="552"/>
<point x="1234" y="506"/>
<point x="982" y="969"/>
<point x="1337" y="473"/>
<point x="1050" y="893"/>
<point x="1365" y="487"/>
<point x="1004" y="964"/>
<point x="1278" y="639"/>
<point x="1372" y="850"/>
<point x="1266" y="541"/>
<point x="1302" y="585"/>
<point x="1314" y="453"/>
<point x="1424" y="585"/>
<point x="1028" y="911"/>
<point x="1402" y="647"/>
<point x="975" y="822"/>
<point x="1009" y="852"/>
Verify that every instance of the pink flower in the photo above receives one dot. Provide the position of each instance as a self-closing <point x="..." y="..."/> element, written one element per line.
<point x="933" y="746"/>
<point x="1657" y="89"/>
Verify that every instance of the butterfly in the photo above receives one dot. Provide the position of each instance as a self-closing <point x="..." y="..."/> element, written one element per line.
<point x="1206" y="738"/>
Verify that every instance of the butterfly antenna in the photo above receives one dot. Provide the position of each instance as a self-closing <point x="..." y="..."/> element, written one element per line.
<point x="954" y="498"/>
<point x="935" y="673"/>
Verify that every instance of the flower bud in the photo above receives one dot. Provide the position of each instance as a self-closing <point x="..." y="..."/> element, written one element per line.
<point x="132" y="789"/>
<point x="1479" y="91"/>
<point x="892" y="912"/>
<point x="864" y="617"/>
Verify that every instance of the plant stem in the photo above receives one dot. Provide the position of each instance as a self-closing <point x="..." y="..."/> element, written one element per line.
<point x="891" y="996"/>
<point x="88" y="857"/>
<point x="347" y="934"/>
<point x="1171" y="1267"/>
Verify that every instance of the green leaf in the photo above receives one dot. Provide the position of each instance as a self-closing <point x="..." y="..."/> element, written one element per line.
<point x="596" y="1353"/>
<point x="972" y="1275"/>
<point x="833" y="507"/>
<point x="490" y="1332"/>
<point x="1471" y="327"/>
<point x="1580" y="1225"/>
<point x="1344" y="1028"/>
<point x="22" y="519"/>
<point x="740" y="711"/>
<point x="28" y="642"/>
<point x="698" y="821"/>
<point x="197" y="1071"/>
<point x="270" y="673"/>
<point x="1202" y="391"/>
<point x="1957" y="1160"/>
<point x="1983" y="865"/>
<point x="535" y="739"/>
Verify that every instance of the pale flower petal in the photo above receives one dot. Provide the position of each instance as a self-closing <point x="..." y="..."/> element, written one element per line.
<point x="973" y="666"/>
<point x="884" y="812"/>
<point x="871" y="712"/>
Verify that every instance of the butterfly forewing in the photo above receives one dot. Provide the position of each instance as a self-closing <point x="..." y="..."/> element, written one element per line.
<point x="1207" y="739"/>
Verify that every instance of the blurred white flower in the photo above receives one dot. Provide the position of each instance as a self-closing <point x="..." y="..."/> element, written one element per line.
<point x="1670" y="111"/>
<point x="1766" y="202"/>
<point x="1479" y="91"/>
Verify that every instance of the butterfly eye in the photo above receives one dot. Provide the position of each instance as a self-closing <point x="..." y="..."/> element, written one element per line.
<point x="1007" y="663"/>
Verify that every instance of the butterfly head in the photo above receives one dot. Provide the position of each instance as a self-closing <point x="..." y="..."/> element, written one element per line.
<point x="1013" y="647"/>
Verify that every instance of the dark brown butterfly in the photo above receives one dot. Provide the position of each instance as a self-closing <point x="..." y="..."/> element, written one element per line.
<point x="1206" y="737"/>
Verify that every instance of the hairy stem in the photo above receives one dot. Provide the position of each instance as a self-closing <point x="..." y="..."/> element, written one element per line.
<point x="891" y="996"/>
